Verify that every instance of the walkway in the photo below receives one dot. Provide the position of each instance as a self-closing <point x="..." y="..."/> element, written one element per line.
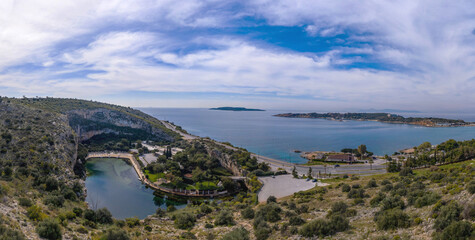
<point x="144" y="179"/>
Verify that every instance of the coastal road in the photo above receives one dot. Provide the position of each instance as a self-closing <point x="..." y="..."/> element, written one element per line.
<point x="359" y="169"/>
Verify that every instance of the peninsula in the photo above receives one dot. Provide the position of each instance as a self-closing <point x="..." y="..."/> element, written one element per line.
<point x="237" y="109"/>
<point x="382" y="117"/>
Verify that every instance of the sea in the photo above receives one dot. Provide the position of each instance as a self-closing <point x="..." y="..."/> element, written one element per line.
<point x="276" y="137"/>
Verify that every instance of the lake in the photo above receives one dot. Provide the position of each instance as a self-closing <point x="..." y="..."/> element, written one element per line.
<point x="276" y="137"/>
<point x="112" y="183"/>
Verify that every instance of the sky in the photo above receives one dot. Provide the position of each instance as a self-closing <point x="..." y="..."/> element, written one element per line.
<point x="273" y="54"/>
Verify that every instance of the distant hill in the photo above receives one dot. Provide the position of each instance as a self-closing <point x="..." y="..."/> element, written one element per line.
<point x="237" y="109"/>
<point x="382" y="117"/>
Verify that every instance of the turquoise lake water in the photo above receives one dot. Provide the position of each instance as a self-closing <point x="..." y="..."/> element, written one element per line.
<point x="275" y="137"/>
<point x="113" y="184"/>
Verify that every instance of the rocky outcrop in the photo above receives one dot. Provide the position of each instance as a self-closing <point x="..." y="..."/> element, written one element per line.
<point x="226" y="161"/>
<point x="91" y="122"/>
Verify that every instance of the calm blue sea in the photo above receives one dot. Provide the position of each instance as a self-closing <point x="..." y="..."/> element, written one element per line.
<point x="275" y="137"/>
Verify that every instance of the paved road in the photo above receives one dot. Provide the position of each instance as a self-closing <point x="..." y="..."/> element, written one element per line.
<point x="360" y="169"/>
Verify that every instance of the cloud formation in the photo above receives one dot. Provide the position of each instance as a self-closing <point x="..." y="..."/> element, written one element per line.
<point x="353" y="54"/>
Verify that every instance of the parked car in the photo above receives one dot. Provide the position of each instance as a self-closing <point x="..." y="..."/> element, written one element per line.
<point x="337" y="165"/>
<point x="314" y="180"/>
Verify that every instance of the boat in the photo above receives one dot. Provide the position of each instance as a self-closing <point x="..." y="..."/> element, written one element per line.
<point x="297" y="151"/>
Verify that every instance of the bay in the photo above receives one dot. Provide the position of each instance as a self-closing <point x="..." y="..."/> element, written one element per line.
<point x="275" y="137"/>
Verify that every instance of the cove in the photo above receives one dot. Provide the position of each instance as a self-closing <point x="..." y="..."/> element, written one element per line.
<point x="113" y="184"/>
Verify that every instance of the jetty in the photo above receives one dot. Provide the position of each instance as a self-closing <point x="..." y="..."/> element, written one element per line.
<point x="147" y="182"/>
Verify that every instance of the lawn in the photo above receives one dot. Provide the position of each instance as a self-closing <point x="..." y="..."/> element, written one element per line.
<point x="153" y="177"/>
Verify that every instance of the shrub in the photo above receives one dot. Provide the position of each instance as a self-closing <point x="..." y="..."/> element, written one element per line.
<point x="387" y="187"/>
<point x="247" y="213"/>
<point x="447" y="215"/>
<point x="377" y="199"/>
<point x="357" y="193"/>
<point x="103" y="216"/>
<point x="355" y="186"/>
<point x="51" y="184"/>
<point x="270" y="212"/>
<point x="339" y="223"/>
<point x="296" y="221"/>
<point x="371" y="184"/>
<point x="49" y="229"/>
<point x="148" y="228"/>
<point x="345" y="188"/>
<point x="405" y="171"/>
<point x="132" y="222"/>
<point x="302" y="208"/>
<point x="271" y="199"/>
<point x="428" y="198"/>
<point x="339" y="208"/>
<point x="90" y="215"/>
<point x="35" y="213"/>
<point x="318" y="227"/>
<point x="224" y="218"/>
<point x="471" y="187"/>
<point x="9" y="234"/>
<point x="115" y="233"/>
<point x="205" y="209"/>
<point x="187" y="235"/>
<point x="77" y="211"/>
<point x="184" y="221"/>
<point x="262" y="232"/>
<point x="418" y="220"/>
<point x="469" y="212"/>
<point x="457" y="230"/>
<point x="391" y="219"/>
<point x="54" y="200"/>
<point x="385" y="182"/>
<point x="238" y="233"/>
<point x="25" y="202"/>
<point x="392" y="202"/>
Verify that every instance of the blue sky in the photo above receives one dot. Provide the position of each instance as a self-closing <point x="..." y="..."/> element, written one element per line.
<point x="280" y="54"/>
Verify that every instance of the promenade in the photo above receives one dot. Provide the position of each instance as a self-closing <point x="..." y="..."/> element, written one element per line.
<point x="146" y="181"/>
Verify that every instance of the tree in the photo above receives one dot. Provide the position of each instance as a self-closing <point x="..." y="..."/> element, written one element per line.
<point x="115" y="233"/>
<point x="362" y="150"/>
<point x="184" y="221"/>
<point x="309" y="174"/>
<point x="239" y="233"/>
<point x="294" y="173"/>
<point x="371" y="163"/>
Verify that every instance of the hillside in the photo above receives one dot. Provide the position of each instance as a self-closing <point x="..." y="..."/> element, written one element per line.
<point x="41" y="194"/>
<point x="381" y="117"/>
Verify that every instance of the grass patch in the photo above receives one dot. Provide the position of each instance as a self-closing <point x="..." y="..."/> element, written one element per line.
<point x="153" y="177"/>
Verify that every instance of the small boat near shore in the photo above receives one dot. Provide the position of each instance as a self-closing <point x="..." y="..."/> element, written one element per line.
<point x="297" y="151"/>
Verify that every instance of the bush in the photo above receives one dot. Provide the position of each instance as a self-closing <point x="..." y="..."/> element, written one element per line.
<point x="428" y="198"/>
<point x="77" y="211"/>
<point x="345" y="188"/>
<point x="270" y="212"/>
<point x="448" y="214"/>
<point x="372" y="184"/>
<point x="247" y="213"/>
<point x="392" y="202"/>
<point x="339" y="208"/>
<point x="10" y="234"/>
<point x="374" y="202"/>
<point x="238" y="233"/>
<point x="471" y="187"/>
<point x="224" y="218"/>
<point x="184" y="221"/>
<point x="271" y="199"/>
<point x="318" y="227"/>
<point x="132" y="222"/>
<point x="405" y="172"/>
<point x="90" y="215"/>
<point x="357" y="193"/>
<point x="35" y="213"/>
<point x="54" y="200"/>
<point x="205" y="209"/>
<point x="25" y="202"/>
<point x="392" y="219"/>
<point x="262" y="232"/>
<point x="296" y="221"/>
<point x="51" y="184"/>
<point x="115" y="233"/>
<point x="457" y="230"/>
<point x="187" y="235"/>
<point x="104" y="216"/>
<point x="49" y="229"/>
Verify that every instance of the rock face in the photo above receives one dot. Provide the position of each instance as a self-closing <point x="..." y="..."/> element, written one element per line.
<point x="91" y="122"/>
<point x="226" y="161"/>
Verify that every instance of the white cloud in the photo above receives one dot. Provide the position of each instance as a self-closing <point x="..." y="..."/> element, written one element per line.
<point x="427" y="45"/>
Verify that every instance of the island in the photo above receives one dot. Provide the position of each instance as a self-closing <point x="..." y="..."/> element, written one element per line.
<point x="237" y="109"/>
<point x="382" y="117"/>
